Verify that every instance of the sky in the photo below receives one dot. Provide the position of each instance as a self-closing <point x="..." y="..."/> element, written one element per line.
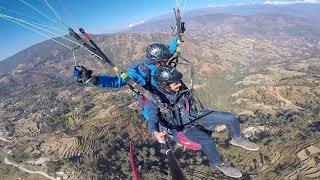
<point x="96" y="16"/>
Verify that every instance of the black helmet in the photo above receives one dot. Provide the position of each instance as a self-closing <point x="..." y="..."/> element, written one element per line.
<point x="166" y="75"/>
<point x="157" y="52"/>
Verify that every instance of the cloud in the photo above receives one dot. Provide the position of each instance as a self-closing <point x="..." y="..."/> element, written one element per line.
<point x="227" y="5"/>
<point x="214" y="5"/>
<point x="292" y="2"/>
<point x="135" y="24"/>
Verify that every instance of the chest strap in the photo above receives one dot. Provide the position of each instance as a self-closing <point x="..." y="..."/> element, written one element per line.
<point x="148" y="77"/>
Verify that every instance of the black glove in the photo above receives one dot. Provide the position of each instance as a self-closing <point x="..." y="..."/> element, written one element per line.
<point x="83" y="75"/>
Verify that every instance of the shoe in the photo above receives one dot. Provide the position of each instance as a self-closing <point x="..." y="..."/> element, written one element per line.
<point x="244" y="143"/>
<point x="187" y="143"/>
<point x="229" y="171"/>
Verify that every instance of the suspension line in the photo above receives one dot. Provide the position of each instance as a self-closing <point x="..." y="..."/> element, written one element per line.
<point x="36" y="31"/>
<point x="43" y="29"/>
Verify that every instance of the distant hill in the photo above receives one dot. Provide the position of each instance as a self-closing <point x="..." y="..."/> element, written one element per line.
<point x="215" y="24"/>
<point x="41" y="50"/>
<point x="308" y="11"/>
<point x="260" y="24"/>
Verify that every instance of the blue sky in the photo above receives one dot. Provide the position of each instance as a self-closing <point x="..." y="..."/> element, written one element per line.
<point x="96" y="16"/>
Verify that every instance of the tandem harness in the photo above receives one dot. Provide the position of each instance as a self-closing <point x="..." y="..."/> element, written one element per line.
<point x="147" y="86"/>
<point x="176" y="130"/>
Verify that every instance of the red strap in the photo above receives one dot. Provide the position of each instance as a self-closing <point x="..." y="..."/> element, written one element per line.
<point x="187" y="143"/>
<point x="145" y="69"/>
<point x="144" y="100"/>
<point x="187" y="106"/>
<point x="134" y="168"/>
<point x="86" y="36"/>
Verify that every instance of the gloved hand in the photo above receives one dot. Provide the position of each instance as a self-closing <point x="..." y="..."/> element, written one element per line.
<point x="160" y="136"/>
<point x="83" y="75"/>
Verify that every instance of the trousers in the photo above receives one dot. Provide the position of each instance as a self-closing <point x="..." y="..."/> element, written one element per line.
<point x="197" y="132"/>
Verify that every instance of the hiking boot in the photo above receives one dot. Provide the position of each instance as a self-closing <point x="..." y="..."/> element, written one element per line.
<point x="229" y="171"/>
<point x="244" y="143"/>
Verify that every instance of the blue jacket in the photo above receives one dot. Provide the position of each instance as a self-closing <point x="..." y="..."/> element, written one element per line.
<point x="139" y="75"/>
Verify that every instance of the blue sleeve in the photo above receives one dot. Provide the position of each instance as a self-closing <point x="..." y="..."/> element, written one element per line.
<point x="117" y="82"/>
<point x="151" y="114"/>
<point x="110" y="82"/>
<point x="173" y="46"/>
<point x="136" y="76"/>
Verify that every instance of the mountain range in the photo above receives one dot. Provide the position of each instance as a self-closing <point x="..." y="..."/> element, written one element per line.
<point x="263" y="66"/>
